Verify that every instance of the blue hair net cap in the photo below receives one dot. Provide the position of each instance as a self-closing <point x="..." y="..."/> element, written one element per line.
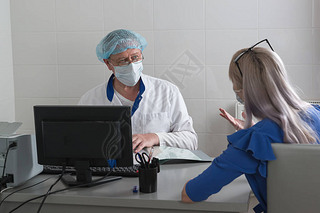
<point x="119" y="41"/>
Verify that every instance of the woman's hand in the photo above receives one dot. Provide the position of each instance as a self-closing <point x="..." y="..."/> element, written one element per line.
<point x="236" y="123"/>
<point x="184" y="197"/>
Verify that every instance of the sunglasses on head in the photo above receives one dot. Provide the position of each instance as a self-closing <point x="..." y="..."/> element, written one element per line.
<point x="249" y="49"/>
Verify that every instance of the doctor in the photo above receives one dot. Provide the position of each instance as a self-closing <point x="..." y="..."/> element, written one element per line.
<point x="159" y="114"/>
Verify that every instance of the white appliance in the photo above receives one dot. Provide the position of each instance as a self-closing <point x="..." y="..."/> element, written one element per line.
<point x="239" y="108"/>
<point x="22" y="163"/>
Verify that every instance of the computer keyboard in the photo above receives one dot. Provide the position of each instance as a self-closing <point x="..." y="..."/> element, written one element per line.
<point x="131" y="171"/>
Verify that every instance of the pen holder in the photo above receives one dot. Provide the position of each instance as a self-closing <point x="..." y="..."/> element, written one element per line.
<point x="148" y="178"/>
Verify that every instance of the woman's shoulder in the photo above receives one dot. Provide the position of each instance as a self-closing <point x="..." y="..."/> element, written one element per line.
<point x="257" y="139"/>
<point x="314" y="111"/>
<point x="313" y="118"/>
<point x="316" y="107"/>
<point x="265" y="127"/>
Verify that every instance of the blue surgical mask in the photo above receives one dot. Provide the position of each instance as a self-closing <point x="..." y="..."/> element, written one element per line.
<point x="239" y="99"/>
<point x="130" y="74"/>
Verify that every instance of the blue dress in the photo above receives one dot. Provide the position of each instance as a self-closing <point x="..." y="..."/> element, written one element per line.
<point x="247" y="153"/>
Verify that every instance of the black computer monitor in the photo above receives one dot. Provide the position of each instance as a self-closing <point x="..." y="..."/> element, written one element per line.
<point x="83" y="136"/>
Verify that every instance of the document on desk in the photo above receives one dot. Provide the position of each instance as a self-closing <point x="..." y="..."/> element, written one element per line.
<point x="168" y="155"/>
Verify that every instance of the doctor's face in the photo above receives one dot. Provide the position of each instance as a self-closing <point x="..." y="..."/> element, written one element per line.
<point x="123" y="59"/>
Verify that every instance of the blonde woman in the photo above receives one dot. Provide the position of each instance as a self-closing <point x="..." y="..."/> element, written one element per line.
<point x="260" y="81"/>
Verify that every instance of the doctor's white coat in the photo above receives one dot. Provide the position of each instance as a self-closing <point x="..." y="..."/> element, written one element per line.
<point x="161" y="110"/>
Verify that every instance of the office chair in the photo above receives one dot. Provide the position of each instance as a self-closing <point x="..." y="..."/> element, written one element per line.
<point x="293" y="182"/>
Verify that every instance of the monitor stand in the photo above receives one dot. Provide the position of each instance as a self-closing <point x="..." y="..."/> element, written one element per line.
<point x="84" y="176"/>
<point x="71" y="181"/>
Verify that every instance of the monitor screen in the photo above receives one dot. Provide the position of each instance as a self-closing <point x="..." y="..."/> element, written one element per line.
<point x="83" y="135"/>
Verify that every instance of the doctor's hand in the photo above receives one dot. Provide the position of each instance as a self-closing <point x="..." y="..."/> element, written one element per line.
<point x="139" y="141"/>
<point x="236" y="123"/>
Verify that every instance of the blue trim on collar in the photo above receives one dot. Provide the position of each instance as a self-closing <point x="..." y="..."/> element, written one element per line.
<point x="110" y="90"/>
<point x="136" y="103"/>
<point x="110" y="93"/>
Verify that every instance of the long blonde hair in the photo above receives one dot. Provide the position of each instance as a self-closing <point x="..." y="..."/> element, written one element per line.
<point x="268" y="94"/>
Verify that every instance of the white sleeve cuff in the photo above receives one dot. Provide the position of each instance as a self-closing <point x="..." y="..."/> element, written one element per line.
<point x="161" y="138"/>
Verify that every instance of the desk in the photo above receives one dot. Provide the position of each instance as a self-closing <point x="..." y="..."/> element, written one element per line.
<point x="117" y="196"/>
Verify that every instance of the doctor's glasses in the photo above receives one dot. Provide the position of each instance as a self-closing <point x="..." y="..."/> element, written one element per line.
<point x="126" y="61"/>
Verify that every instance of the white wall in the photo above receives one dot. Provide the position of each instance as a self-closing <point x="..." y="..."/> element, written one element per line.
<point x="6" y="64"/>
<point x="54" y="49"/>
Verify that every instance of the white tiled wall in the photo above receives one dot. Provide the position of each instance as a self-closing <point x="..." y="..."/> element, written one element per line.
<point x="6" y="65"/>
<point x="275" y="14"/>
<point x="179" y="15"/>
<point x="54" y="44"/>
<point x="75" y="15"/>
<point x="230" y="14"/>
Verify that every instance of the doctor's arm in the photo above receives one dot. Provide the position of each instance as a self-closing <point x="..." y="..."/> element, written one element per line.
<point x="182" y="133"/>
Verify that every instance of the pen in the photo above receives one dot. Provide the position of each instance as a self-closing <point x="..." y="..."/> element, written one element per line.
<point x="150" y="155"/>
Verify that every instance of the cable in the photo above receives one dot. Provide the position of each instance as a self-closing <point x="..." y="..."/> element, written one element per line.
<point x="14" y="144"/>
<point x="22" y="189"/>
<point x="40" y="196"/>
<point x="3" y="190"/>
<point x="60" y="190"/>
<point x="46" y="195"/>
